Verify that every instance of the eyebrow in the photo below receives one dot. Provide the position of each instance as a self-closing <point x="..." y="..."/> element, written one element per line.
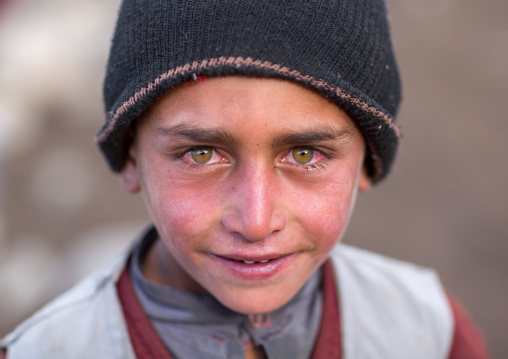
<point x="313" y="136"/>
<point x="202" y="135"/>
<point x="214" y="136"/>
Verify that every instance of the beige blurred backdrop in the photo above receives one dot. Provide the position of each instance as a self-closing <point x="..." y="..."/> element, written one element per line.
<point x="62" y="213"/>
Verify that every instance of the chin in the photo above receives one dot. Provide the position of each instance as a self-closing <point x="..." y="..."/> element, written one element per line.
<point x="256" y="301"/>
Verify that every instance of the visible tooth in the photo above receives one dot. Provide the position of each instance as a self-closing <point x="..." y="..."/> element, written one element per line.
<point x="248" y="262"/>
<point x="264" y="261"/>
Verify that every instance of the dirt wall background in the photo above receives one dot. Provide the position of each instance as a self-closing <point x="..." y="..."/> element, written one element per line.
<point x="62" y="214"/>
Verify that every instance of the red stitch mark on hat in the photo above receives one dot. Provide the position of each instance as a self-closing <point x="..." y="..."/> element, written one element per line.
<point x="195" y="80"/>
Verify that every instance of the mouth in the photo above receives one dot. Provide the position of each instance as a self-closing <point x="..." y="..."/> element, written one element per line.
<point x="246" y="261"/>
<point x="253" y="259"/>
<point x="255" y="267"/>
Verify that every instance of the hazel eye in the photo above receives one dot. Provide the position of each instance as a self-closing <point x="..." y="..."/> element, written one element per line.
<point x="201" y="155"/>
<point x="306" y="157"/>
<point x="302" y="155"/>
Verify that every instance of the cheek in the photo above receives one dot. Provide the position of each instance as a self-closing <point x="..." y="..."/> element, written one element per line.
<point x="325" y="214"/>
<point x="181" y="212"/>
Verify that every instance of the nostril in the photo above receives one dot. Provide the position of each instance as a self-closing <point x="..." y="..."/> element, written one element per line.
<point x="231" y="222"/>
<point x="280" y="221"/>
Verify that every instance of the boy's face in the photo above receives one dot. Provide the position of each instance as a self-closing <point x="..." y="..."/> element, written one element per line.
<point x="235" y="170"/>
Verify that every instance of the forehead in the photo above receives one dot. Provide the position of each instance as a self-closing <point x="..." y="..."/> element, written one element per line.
<point x="233" y="102"/>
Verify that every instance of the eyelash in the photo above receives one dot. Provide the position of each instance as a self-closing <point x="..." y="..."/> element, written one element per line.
<point x="195" y="166"/>
<point x="317" y="167"/>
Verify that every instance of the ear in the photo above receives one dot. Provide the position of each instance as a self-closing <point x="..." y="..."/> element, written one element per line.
<point x="364" y="183"/>
<point x="129" y="178"/>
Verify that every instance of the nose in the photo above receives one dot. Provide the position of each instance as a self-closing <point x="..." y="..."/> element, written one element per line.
<point x="255" y="209"/>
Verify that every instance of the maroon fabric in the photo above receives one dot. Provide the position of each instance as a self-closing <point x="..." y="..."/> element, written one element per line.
<point x="145" y="340"/>
<point x="328" y="343"/>
<point x="468" y="343"/>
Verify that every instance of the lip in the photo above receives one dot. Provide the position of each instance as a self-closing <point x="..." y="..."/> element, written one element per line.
<point x="274" y="265"/>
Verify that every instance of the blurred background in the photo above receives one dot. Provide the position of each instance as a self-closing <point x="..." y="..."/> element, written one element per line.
<point x="445" y="205"/>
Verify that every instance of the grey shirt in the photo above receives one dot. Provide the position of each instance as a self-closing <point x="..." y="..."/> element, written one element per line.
<point x="199" y="326"/>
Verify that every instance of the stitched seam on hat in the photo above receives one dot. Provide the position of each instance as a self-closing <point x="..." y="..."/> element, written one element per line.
<point x="248" y="62"/>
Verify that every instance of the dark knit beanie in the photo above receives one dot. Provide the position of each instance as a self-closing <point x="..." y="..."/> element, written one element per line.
<point x="340" y="48"/>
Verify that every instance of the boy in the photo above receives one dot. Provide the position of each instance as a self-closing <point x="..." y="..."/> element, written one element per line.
<point x="248" y="127"/>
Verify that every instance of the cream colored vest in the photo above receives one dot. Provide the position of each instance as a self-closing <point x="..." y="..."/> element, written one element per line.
<point x="389" y="310"/>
